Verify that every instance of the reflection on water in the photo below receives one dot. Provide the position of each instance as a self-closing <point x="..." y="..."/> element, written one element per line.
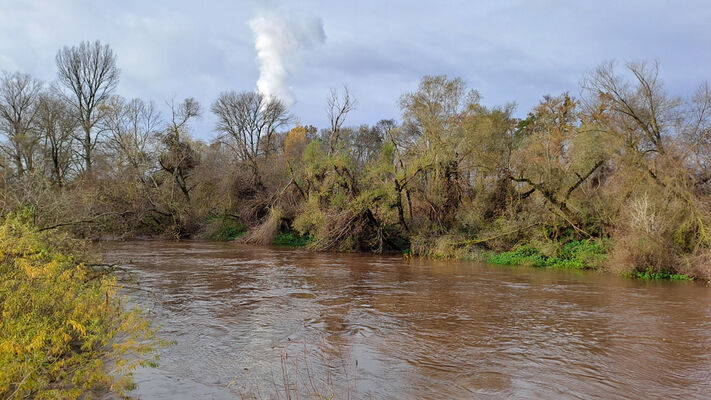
<point x="382" y="327"/>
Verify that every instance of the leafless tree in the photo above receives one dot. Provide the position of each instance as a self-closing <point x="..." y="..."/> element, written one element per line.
<point x="132" y="127"/>
<point x="337" y="108"/>
<point x="249" y="120"/>
<point x="640" y="112"/>
<point x="89" y="74"/>
<point x="697" y="133"/>
<point x="19" y="95"/>
<point x="56" y="126"/>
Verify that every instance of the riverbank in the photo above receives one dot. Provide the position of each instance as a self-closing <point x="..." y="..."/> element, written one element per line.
<point x="64" y="331"/>
<point x="566" y="253"/>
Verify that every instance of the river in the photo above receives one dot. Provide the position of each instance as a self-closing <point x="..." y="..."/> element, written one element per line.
<point x="267" y="322"/>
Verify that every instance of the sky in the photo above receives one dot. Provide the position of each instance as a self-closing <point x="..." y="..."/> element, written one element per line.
<point x="510" y="51"/>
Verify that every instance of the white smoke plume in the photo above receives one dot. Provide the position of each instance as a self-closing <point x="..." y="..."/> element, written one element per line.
<point x="279" y="41"/>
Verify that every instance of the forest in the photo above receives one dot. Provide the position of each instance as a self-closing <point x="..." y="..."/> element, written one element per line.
<point x="616" y="178"/>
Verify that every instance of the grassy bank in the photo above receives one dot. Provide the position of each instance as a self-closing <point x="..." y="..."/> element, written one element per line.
<point x="63" y="331"/>
<point x="564" y="253"/>
<point x="572" y="254"/>
<point x="576" y="254"/>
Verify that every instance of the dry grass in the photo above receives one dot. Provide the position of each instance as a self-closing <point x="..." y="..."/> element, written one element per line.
<point x="265" y="232"/>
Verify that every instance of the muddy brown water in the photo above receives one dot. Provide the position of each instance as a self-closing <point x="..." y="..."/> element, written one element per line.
<point x="257" y="321"/>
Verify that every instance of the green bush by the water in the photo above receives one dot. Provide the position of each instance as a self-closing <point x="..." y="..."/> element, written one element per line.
<point x="650" y="274"/>
<point x="225" y="229"/>
<point x="292" y="239"/>
<point x="63" y="331"/>
<point x="575" y="254"/>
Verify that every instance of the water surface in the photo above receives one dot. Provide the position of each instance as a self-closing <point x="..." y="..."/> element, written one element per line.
<point x="256" y="321"/>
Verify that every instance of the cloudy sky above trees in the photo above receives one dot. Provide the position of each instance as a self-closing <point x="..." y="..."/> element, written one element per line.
<point x="508" y="50"/>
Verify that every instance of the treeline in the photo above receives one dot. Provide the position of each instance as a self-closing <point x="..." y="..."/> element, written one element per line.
<point x="616" y="178"/>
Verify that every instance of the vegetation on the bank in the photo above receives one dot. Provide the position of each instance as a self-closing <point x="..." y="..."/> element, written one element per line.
<point x="292" y="239"/>
<point x="63" y="331"/>
<point x="224" y="228"/>
<point x="576" y="254"/>
<point x="623" y="170"/>
<point x="650" y="274"/>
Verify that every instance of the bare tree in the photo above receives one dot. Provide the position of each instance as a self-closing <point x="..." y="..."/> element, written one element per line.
<point x="337" y="108"/>
<point x="249" y="120"/>
<point x="132" y="127"/>
<point x="640" y="112"/>
<point x="56" y="125"/>
<point x="89" y="74"/>
<point x="19" y="95"/>
<point x="696" y="132"/>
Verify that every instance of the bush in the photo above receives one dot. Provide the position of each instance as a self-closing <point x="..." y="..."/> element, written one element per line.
<point x="62" y="320"/>
<point x="292" y="239"/>
<point x="658" y="239"/>
<point x="575" y="254"/>
<point x="225" y="228"/>
<point x="649" y="274"/>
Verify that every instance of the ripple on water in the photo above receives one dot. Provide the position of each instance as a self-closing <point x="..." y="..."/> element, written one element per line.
<point x="382" y="327"/>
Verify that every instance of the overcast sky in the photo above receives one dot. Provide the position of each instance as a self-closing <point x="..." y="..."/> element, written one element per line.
<point x="508" y="50"/>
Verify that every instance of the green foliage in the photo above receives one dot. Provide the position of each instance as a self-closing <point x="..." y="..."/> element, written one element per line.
<point x="314" y="155"/>
<point x="62" y="321"/>
<point x="292" y="239"/>
<point x="575" y="254"/>
<point x="526" y="255"/>
<point x="650" y="274"/>
<point x="227" y="229"/>
<point x="590" y="253"/>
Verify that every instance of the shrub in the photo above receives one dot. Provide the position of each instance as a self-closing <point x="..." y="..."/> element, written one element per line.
<point x="62" y="320"/>
<point x="523" y="255"/>
<point x="650" y="273"/>
<point x="225" y="228"/>
<point x="292" y="239"/>
<point x="575" y="254"/>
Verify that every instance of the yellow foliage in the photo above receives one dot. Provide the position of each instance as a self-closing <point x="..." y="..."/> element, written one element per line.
<point x="61" y="321"/>
<point x="295" y="142"/>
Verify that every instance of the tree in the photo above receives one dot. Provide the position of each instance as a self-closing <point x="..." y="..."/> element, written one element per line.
<point x="433" y="135"/>
<point x="557" y="154"/>
<point x="56" y="126"/>
<point x="365" y="142"/>
<point x="697" y="135"/>
<point x="132" y="126"/>
<point x="179" y="158"/>
<point x="248" y="121"/>
<point x="638" y="113"/>
<point x="337" y="108"/>
<point x="89" y="74"/>
<point x="19" y="97"/>
<point x="661" y="138"/>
